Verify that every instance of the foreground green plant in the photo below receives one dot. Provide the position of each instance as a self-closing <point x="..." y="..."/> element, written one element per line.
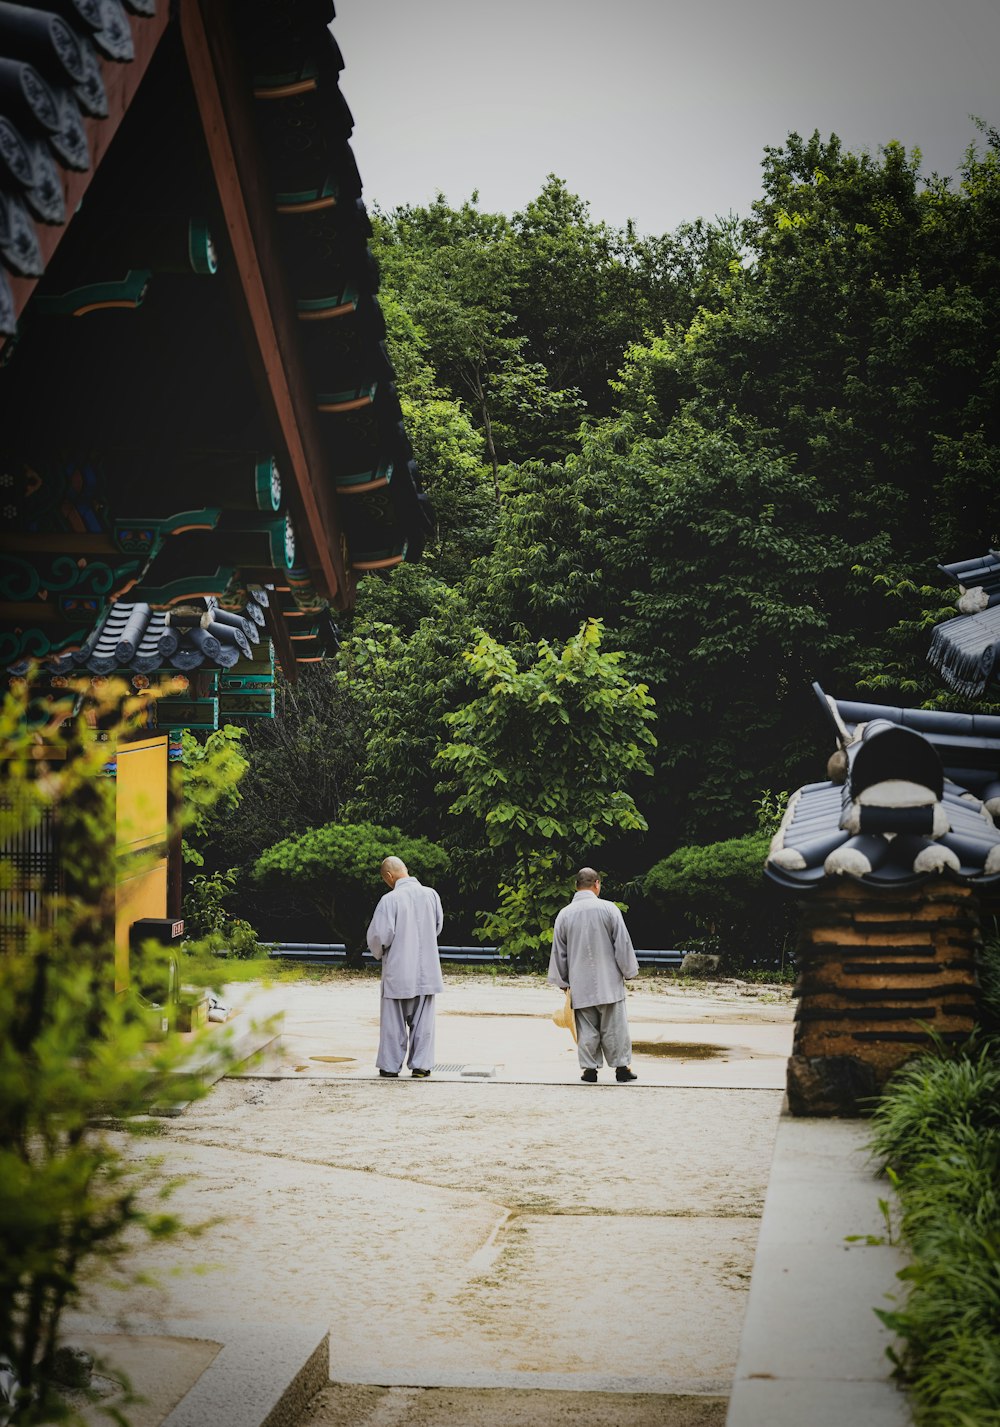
<point x="75" y="1053"/>
<point x="937" y="1132"/>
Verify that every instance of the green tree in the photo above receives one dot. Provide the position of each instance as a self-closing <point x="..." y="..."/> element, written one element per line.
<point x="712" y="555"/>
<point x="302" y="768"/>
<point x="860" y="335"/>
<point x="583" y="292"/>
<point x="409" y="636"/>
<point x="543" y="757"/>
<point x="448" y="448"/>
<point x="337" y="869"/>
<point x="454" y="271"/>
<point x="526" y="319"/>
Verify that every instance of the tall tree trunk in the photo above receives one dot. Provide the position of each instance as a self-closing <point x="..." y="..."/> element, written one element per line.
<point x="479" y="390"/>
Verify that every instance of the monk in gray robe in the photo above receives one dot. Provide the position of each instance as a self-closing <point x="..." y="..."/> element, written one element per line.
<point x="592" y="954"/>
<point x="403" y="935"/>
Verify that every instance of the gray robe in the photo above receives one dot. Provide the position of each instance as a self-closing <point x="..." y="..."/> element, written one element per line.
<point x="592" y="952"/>
<point x="403" y="935"/>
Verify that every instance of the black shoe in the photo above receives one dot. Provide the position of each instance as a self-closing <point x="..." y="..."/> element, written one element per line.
<point x="623" y="1073"/>
<point x="420" y="1074"/>
<point x="589" y="1077"/>
<point x="389" y="1074"/>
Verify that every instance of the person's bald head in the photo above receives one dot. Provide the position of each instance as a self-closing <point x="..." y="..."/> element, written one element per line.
<point x="392" y="869"/>
<point x="587" y="880"/>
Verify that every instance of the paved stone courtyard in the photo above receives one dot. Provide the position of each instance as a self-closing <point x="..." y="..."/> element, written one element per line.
<point x="520" y="1231"/>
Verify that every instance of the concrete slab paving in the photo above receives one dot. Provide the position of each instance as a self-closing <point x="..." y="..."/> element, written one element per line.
<point x="479" y="1235"/>
<point x="247" y="1378"/>
<point x="819" y="1404"/>
<point x="727" y="1037"/>
<point x="155" y="1369"/>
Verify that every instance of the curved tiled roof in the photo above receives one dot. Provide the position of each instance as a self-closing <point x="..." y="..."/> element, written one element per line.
<point x="137" y="638"/>
<point x="323" y="230"/>
<point x="966" y="650"/>
<point x="51" y="84"/>
<point x="914" y="793"/>
<point x="132" y="637"/>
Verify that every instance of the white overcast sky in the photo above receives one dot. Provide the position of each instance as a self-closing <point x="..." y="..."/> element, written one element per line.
<point x="658" y="110"/>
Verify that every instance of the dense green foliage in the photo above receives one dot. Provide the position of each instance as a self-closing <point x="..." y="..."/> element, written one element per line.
<point x="213" y="767"/>
<point x="937" y="1129"/>
<point x="208" y="916"/>
<point x="743" y="448"/>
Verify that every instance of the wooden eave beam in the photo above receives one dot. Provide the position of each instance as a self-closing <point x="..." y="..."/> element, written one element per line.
<point x="225" y="105"/>
<point x="121" y="82"/>
<point x="274" y="622"/>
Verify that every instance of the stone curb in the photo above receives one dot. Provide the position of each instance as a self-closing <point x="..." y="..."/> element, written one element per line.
<point x="262" y="1376"/>
<point x="812" y="1349"/>
<point x="261" y="1379"/>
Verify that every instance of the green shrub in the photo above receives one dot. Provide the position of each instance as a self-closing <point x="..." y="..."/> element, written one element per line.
<point x="207" y="917"/>
<point x="716" y="899"/>
<point x="931" y="1102"/>
<point x="74" y="1054"/>
<point x="337" y="869"/>
<point x="937" y="1130"/>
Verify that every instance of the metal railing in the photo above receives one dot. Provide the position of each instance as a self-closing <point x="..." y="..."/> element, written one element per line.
<point x="321" y="953"/>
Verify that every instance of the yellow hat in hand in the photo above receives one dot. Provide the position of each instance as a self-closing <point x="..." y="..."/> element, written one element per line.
<point x="564" y="1016"/>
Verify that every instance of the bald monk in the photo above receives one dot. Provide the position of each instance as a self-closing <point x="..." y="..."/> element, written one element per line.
<point x="403" y="935"/>
<point x="592" y="954"/>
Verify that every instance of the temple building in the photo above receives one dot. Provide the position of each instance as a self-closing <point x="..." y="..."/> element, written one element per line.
<point x="202" y="445"/>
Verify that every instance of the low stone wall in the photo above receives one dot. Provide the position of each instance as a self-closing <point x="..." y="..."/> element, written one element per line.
<point x="878" y="972"/>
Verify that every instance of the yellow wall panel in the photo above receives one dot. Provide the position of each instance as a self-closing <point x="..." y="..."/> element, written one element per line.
<point x="141" y="833"/>
<point x="144" y="895"/>
<point x="142" y="794"/>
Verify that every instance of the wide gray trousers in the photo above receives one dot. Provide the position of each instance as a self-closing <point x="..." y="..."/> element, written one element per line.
<point x="401" y="1022"/>
<point x="603" y="1030"/>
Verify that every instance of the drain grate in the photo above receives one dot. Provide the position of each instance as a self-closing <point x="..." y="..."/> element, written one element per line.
<point x="457" y="1067"/>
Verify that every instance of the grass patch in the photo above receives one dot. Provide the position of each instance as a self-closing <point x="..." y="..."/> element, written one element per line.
<point x="937" y="1132"/>
<point x="270" y="971"/>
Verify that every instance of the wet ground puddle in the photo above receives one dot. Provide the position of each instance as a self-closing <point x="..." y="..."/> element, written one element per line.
<point x="688" y="1050"/>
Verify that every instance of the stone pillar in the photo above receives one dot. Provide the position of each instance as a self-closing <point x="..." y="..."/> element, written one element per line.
<point x="878" y="971"/>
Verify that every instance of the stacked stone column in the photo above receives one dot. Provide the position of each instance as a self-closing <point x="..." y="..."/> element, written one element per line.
<point x="880" y="973"/>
